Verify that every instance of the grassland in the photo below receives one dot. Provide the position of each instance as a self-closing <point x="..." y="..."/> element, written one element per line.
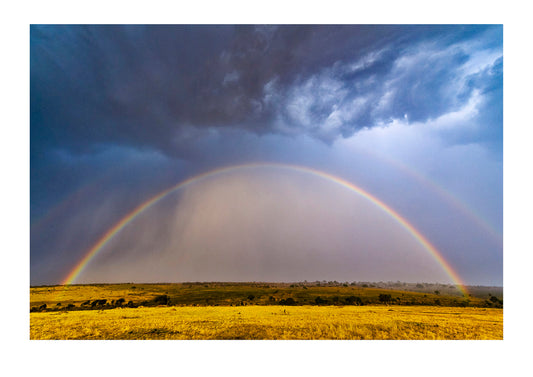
<point x="271" y="322"/>
<point x="259" y="311"/>
<point x="241" y="294"/>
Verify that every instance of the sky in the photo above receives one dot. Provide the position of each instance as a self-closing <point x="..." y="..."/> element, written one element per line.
<point x="410" y="114"/>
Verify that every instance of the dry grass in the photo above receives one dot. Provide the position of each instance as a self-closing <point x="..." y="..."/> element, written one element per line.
<point x="227" y="294"/>
<point x="271" y="322"/>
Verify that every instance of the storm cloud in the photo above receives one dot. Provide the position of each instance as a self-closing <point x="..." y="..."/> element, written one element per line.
<point x="165" y="87"/>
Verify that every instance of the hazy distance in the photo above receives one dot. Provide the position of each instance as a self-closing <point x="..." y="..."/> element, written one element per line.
<point x="264" y="224"/>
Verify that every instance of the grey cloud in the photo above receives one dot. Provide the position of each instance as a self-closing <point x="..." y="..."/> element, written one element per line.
<point x="152" y="85"/>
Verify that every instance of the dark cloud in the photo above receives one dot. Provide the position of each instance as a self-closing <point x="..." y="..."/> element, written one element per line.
<point x="162" y="86"/>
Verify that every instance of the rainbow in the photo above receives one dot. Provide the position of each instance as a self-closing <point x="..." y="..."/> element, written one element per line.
<point x="95" y="249"/>
<point x="494" y="233"/>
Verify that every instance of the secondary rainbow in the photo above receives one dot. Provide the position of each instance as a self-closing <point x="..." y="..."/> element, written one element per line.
<point x="94" y="250"/>
<point x="456" y="203"/>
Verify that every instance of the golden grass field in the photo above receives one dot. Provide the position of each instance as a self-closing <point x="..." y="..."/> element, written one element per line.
<point x="271" y="322"/>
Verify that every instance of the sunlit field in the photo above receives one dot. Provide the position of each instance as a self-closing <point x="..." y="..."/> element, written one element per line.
<point x="271" y="322"/>
<point x="262" y="311"/>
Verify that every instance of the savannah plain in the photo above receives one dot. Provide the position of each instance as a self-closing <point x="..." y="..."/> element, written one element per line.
<point x="319" y="310"/>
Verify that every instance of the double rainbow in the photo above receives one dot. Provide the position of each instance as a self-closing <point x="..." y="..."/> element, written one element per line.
<point x="95" y="249"/>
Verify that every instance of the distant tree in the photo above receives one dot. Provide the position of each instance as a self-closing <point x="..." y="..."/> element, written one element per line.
<point x="42" y="307"/>
<point x="320" y="301"/>
<point x="98" y="303"/>
<point x="420" y="285"/>
<point x="162" y="300"/>
<point x="287" y="301"/>
<point x="385" y="298"/>
<point x="496" y="301"/>
<point x="251" y="297"/>
<point x="354" y="300"/>
<point x="437" y="292"/>
<point x="120" y="302"/>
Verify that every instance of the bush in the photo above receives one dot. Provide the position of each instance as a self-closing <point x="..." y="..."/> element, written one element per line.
<point x="289" y="301"/>
<point x="98" y="303"/>
<point x="496" y="301"/>
<point x="354" y="300"/>
<point x="162" y="300"/>
<point x="385" y="298"/>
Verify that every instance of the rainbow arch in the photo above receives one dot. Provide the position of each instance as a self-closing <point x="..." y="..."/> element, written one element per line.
<point x="95" y="249"/>
<point x="455" y="202"/>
